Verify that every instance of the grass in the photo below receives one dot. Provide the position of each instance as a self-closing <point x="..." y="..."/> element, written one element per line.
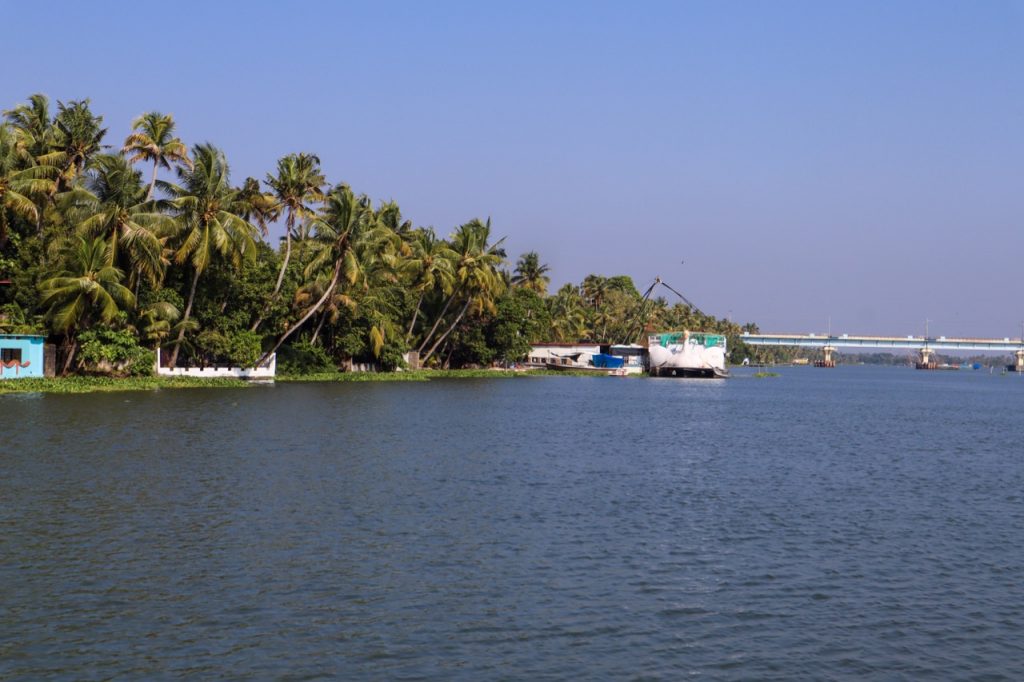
<point x="421" y="375"/>
<point x="82" y="384"/>
<point x="765" y="375"/>
<point x="106" y="384"/>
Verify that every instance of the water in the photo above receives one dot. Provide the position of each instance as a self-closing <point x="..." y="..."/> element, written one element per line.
<point x="855" y="522"/>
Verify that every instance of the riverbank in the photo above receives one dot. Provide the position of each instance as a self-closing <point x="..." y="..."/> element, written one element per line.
<point x="76" y="384"/>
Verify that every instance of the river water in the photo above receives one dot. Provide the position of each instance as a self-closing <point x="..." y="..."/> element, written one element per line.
<point x="857" y="522"/>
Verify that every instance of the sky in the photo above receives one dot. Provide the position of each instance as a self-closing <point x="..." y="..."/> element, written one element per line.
<point x="792" y="164"/>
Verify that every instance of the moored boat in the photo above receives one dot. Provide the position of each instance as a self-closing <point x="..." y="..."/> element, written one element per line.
<point x="687" y="354"/>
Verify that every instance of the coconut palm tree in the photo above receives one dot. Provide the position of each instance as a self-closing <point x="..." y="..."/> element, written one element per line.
<point x="309" y="293"/>
<point x="297" y="185"/>
<point x="256" y="206"/>
<point x="477" y="275"/>
<point x="208" y="222"/>
<point x="156" y="321"/>
<point x="343" y="220"/>
<point x="33" y="125"/>
<point x="29" y="138"/>
<point x="77" y="137"/>
<point x="568" y="315"/>
<point x="20" y="180"/>
<point x="89" y="290"/>
<point x="531" y="274"/>
<point x="390" y="215"/>
<point x="133" y="227"/>
<point x="429" y="267"/>
<point x="153" y="141"/>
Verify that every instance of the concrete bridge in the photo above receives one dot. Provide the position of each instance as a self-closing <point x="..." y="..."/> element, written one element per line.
<point x="925" y="346"/>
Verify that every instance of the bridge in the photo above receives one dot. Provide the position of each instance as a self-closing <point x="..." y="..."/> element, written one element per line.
<point x="925" y="346"/>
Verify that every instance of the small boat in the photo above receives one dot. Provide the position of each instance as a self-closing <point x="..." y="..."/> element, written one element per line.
<point x="599" y="363"/>
<point x="612" y="360"/>
<point x="687" y="354"/>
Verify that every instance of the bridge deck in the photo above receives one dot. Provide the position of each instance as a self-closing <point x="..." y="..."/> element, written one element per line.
<point x="914" y="342"/>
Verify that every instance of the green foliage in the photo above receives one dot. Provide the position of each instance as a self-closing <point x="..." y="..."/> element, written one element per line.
<point x="237" y="349"/>
<point x="114" y="351"/>
<point x="304" y="358"/>
<point x="522" y="319"/>
<point x="14" y="321"/>
<point x="470" y="347"/>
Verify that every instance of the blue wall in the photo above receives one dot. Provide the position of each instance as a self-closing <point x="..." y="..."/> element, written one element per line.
<point x="31" y="364"/>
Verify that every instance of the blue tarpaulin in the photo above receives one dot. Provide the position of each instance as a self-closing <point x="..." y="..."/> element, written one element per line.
<point x="608" y="361"/>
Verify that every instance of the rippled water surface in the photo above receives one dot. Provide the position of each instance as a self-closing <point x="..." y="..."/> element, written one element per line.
<point x="855" y="522"/>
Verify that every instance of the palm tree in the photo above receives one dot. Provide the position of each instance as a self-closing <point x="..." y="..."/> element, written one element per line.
<point x="135" y="230"/>
<point x="429" y="266"/>
<point x="30" y="136"/>
<point x="256" y="206"/>
<point x="477" y="276"/>
<point x="595" y="289"/>
<point x="77" y="138"/>
<point x="20" y="179"/>
<point x="32" y="124"/>
<point x="568" y="314"/>
<point x="531" y="274"/>
<point x="156" y="322"/>
<point x="88" y="290"/>
<point x="309" y="293"/>
<point x="209" y="226"/>
<point x="344" y="219"/>
<point x="298" y="184"/>
<point x="390" y="215"/>
<point x="153" y="141"/>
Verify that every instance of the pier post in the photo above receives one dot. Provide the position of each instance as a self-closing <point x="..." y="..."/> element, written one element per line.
<point x="1020" y="360"/>
<point x="827" y="358"/>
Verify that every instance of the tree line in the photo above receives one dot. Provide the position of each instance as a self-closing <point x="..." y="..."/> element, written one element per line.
<point x="114" y="247"/>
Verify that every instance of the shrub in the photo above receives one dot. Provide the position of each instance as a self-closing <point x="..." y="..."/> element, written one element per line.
<point x="304" y="358"/>
<point x="238" y="349"/>
<point x="111" y="351"/>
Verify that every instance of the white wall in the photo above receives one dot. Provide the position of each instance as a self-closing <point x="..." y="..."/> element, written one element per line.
<point x="266" y="371"/>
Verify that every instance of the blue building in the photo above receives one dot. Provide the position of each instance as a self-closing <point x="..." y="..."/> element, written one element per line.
<point x="21" y="356"/>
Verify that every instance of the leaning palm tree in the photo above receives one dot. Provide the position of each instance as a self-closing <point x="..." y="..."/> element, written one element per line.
<point x="88" y="291"/>
<point x="530" y="273"/>
<point x="208" y="224"/>
<point x="153" y="141"/>
<point x="429" y="267"/>
<point x="133" y="227"/>
<point x="477" y="274"/>
<point x="345" y="218"/>
<point x="310" y="292"/>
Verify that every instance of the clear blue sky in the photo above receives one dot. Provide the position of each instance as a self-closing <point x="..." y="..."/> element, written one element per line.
<point x="859" y="160"/>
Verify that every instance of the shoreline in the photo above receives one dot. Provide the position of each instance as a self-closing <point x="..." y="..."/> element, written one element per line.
<point x="87" y="384"/>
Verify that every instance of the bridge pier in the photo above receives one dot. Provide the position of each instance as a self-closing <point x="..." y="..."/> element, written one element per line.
<point x="925" y="360"/>
<point x="827" y="358"/>
<point x="1019" y="367"/>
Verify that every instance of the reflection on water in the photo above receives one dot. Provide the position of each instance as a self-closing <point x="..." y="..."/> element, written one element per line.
<point x="826" y="523"/>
